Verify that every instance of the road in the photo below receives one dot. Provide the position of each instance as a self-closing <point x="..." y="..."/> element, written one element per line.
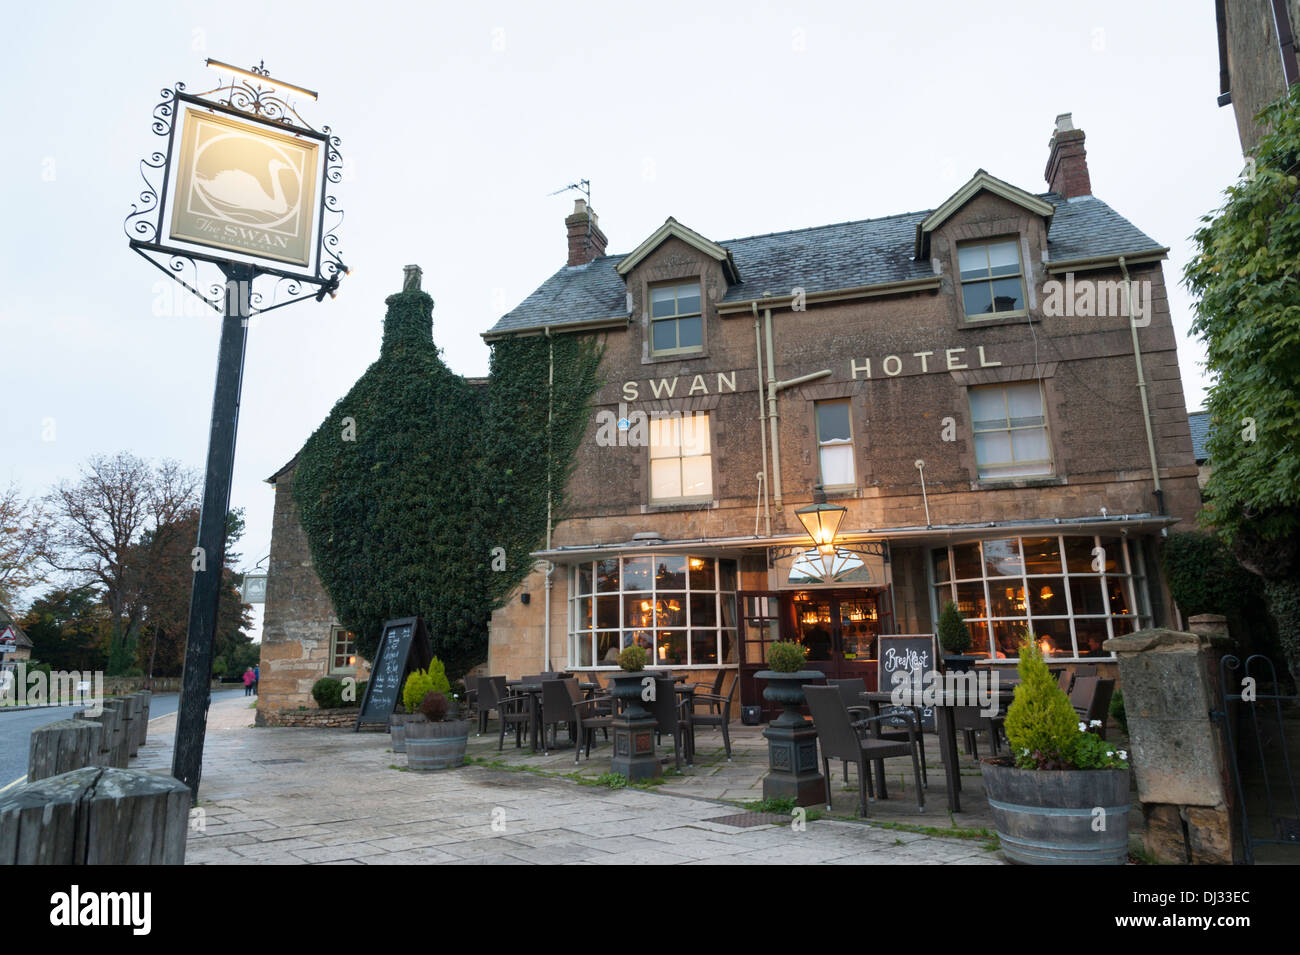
<point x="16" y="727"/>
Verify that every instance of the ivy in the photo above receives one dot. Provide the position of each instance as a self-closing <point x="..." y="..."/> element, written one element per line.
<point x="416" y="475"/>
<point x="1246" y="277"/>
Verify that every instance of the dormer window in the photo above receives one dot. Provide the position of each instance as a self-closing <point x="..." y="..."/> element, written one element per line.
<point x="992" y="280"/>
<point x="676" y="324"/>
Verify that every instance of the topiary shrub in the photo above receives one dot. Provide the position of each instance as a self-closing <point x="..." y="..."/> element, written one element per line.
<point x="632" y="659"/>
<point x="328" y="693"/>
<point x="785" y="656"/>
<point x="954" y="634"/>
<point x="434" y="706"/>
<point x="1041" y="725"/>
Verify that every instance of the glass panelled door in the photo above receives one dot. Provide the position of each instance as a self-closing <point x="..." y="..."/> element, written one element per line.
<point x="760" y="626"/>
<point x="839" y="631"/>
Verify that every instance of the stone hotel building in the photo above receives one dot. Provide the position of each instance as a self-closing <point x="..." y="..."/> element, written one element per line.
<point x="989" y="388"/>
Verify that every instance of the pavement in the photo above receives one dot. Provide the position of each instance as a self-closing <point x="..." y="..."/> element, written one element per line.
<point x="287" y="795"/>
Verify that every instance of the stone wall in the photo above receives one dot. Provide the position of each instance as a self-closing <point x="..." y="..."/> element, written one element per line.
<point x="1254" y="62"/>
<point x="298" y="618"/>
<point x="318" y="718"/>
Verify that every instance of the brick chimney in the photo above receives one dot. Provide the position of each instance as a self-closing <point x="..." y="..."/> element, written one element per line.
<point x="586" y="241"/>
<point x="1067" y="163"/>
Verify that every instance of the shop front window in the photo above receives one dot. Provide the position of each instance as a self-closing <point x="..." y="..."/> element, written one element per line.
<point x="1072" y="593"/>
<point x="680" y="609"/>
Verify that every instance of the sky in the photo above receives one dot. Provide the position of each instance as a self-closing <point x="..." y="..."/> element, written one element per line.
<point x="459" y="121"/>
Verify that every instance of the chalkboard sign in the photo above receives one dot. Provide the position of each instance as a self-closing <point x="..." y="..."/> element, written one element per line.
<point x="403" y="647"/>
<point x="915" y="655"/>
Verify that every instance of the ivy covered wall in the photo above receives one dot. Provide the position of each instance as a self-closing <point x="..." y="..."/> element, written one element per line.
<point x="422" y="493"/>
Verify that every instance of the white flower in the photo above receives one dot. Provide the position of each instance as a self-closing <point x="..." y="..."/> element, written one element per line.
<point x="1025" y="751"/>
<point x="1083" y="727"/>
<point x="1094" y="723"/>
<point x="1110" y="752"/>
<point x="1123" y="754"/>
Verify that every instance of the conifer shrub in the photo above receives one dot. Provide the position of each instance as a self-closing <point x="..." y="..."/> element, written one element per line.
<point x="1041" y="724"/>
<point x="954" y="634"/>
<point x="420" y="683"/>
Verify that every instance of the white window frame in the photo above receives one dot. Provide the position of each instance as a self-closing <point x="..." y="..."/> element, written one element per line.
<point x="835" y="443"/>
<point x="989" y="279"/>
<point x="1049" y="462"/>
<point x="335" y="631"/>
<point x="676" y="318"/>
<point x="696" y="424"/>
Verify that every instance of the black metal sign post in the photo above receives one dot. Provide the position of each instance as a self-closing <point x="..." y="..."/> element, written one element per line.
<point x="246" y="100"/>
<point x="205" y="598"/>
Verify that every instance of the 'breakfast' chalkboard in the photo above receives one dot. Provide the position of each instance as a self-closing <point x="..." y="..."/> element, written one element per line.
<point x="914" y="655"/>
<point x="403" y="647"/>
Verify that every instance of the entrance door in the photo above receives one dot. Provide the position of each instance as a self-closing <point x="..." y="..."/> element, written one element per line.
<point x="760" y="625"/>
<point x="839" y="630"/>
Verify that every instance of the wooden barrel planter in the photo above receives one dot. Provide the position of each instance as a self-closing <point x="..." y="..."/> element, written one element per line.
<point x="397" y="729"/>
<point x="431" y="746"/>
<point x="1046" y="817"/>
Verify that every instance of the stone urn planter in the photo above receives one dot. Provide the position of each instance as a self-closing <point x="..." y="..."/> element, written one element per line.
<point x="793" y="770"/>
<point x="634" y="729"/>
<point x="959" y="663"/>
<point x="1050" y="817"/>
<point x="433" y="745"/>
<point x="397" y="729"/>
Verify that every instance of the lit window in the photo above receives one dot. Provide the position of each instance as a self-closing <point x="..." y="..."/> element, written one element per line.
<point x="680" y="609"/>
<point x="1010" y="430"/>
<point x="681" y="465"/>
<point x="343" y="651"/>
<point x="991" y="281"/>
<point x="835" y="443"/>
<point x="1071" y="593"/>
<point x="676" y="324"/>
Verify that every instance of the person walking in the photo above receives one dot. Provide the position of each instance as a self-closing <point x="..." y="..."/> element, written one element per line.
<point x="257" y="675"/>
<point x="248" y="682"/>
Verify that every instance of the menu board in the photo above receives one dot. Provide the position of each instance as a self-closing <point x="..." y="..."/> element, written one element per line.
<point x="913" y="654"/>
<point x="404" y="646"/>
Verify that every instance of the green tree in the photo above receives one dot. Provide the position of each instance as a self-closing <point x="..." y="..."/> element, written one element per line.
<point x="1246" y="276"/>
<point x="69" y="629"/>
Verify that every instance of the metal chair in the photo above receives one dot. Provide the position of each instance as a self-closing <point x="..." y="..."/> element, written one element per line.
<point x="490" y="690"/>
<point x="589" y="715"/>
<point x="674" y="719"/>
<point x="557" y="710"/>
<point x="851" y="690"/>
<point x="1091" y="701"/>
<point x="719" y="712"/>
<point x="514" y="710"/>
<point x="841" y="736"/>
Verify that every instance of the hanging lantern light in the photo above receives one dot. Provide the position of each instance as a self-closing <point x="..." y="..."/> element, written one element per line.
<point x="822" y="522"/>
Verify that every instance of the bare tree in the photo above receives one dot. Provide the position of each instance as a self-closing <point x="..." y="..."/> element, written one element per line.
<point x="24" y="529"/>
<point x="114" y="525"/>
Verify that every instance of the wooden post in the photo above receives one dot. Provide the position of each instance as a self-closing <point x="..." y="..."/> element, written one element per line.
<point x="131" y="706"/>
<point x="110" y="745"/>
<point x="146" y="697"/>
<point x="95" y="816"/>
<point x="63" y="746"/>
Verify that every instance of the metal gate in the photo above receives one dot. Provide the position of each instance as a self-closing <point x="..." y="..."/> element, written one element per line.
<point x="1264" y="750"/>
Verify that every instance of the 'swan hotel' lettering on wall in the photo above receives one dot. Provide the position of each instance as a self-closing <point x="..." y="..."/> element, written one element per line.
<point x="245" y="189"/>
<point x="923" y="362"/>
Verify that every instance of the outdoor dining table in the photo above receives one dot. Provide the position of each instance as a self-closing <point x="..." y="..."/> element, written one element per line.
<point x="945" y="720"/>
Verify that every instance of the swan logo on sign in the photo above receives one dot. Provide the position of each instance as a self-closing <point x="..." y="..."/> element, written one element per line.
<point x="244" y="188"/>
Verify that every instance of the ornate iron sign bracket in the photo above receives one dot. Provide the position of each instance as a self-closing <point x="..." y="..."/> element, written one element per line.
<point x="862" y="549"/>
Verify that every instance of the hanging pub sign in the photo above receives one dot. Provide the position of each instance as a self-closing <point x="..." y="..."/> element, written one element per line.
<point x="243" y="187"/>
<point x="403" y="647"/>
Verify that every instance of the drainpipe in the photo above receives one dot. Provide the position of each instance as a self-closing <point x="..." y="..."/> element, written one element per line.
<point x="762" y="424"/>
<point x="773" y="419"/>
<point x="1142" y="388"/>
<point x="550" y="565"/>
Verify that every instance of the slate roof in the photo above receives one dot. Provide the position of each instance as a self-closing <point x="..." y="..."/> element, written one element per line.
<point x="1200" y="422"/>
<point x="823" y="258"/>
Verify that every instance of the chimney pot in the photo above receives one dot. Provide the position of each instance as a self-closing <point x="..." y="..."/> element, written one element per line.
<point x="1067" y="161"/>
<point x="411" y="275"/>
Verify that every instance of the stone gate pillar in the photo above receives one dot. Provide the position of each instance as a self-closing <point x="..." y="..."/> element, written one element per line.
<point x="1170" y="685"/>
